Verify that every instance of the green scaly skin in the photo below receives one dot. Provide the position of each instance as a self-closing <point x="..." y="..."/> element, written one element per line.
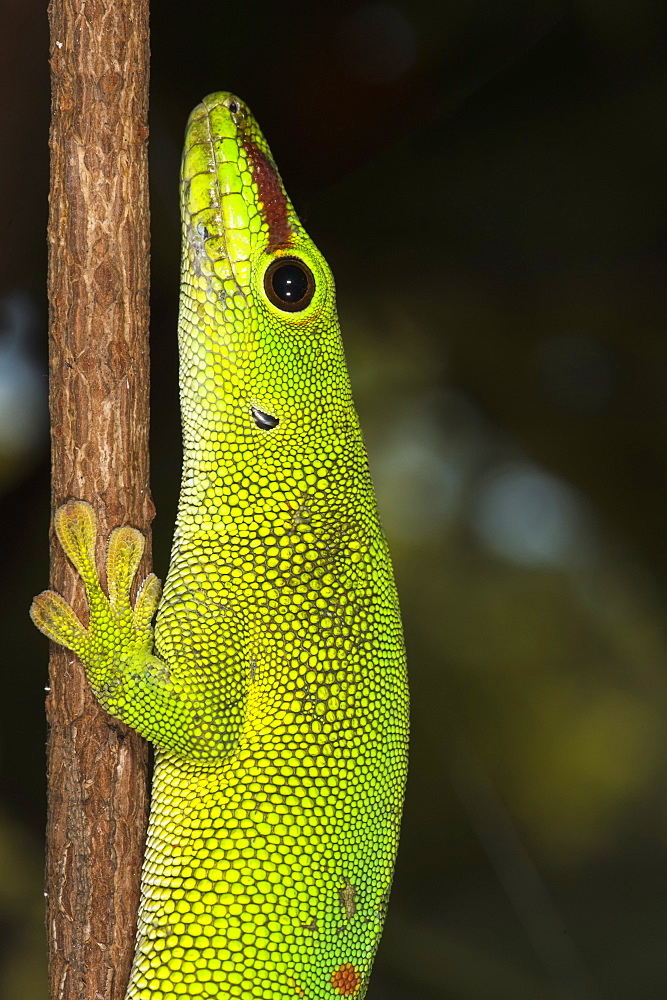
<point x="274" y="688"/>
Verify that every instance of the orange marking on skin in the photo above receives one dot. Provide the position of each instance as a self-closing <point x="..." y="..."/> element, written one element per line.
<point x="346" y="980"/>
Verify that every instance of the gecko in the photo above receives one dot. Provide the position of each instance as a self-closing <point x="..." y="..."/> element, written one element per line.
<point x="273" y="682"/>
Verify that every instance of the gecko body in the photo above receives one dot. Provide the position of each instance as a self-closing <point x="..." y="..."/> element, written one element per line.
<point x="273" y="685"/>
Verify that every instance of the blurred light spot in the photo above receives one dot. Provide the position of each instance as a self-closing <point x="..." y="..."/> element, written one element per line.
<point x="376" y="44"/>
<point x="525" y="515"/>
<point x="424" y="465"/>
<point x="576" y="372"/>
<point x="23" y="387"/>
<point x="417" y="488"/>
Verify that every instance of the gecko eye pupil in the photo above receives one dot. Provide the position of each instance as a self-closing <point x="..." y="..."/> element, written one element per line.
<point x="289" y="284"/>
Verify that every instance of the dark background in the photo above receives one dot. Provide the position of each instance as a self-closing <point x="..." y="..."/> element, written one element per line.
<point x="486" y="178"/>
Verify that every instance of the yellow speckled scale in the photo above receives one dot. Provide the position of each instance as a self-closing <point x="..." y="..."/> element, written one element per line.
<point x="274" y="687"/>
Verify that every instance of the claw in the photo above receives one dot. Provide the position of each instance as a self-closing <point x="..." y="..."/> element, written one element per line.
<point x="76" y="528"/>
<point x="126" y="547"/>
<point x="147" y="601"/>
<point x="53" y="616"/>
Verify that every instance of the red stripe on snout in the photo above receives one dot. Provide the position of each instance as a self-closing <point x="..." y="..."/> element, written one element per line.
<point x="272" y="196"/>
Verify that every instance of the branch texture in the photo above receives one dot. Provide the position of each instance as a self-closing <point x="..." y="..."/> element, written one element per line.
<point x="99" y="379"/>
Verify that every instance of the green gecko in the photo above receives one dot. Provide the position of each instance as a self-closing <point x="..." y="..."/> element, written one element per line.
<point x="274" y="684"/>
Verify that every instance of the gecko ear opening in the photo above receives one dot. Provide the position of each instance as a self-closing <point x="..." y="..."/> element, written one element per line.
<point x="264" y="420"/>
<point x="289" y="284"/>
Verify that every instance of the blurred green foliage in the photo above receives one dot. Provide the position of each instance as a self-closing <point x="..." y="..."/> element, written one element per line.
<point x="486" y="178"/>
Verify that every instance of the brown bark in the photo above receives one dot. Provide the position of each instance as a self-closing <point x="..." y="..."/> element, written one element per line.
<point x="98" y="294"/>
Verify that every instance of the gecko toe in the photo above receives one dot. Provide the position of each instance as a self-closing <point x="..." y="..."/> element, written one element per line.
<point x="126" y="547"/>
<point x="147" y="601"/>
<point x="76" y="528"/>
<point x="53" y="616"/>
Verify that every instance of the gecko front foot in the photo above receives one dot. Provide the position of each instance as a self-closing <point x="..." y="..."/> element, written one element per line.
<point x="116" y="646"/>
<point x="115" y="630"/>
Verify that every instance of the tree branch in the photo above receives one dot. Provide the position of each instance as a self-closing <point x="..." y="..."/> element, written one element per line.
<point x="99" y="377"/>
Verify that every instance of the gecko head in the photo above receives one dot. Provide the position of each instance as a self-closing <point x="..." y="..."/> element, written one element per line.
<point x="259" y="324"/>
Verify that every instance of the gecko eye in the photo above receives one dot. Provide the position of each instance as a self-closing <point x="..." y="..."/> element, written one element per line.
<point x="289" y="284"/>
<point x="264" y="420"/>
